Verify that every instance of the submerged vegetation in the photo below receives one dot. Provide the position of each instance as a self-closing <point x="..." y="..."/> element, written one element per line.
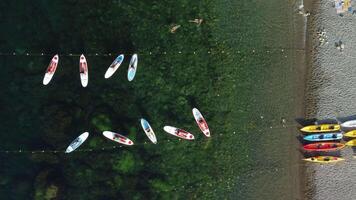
<point x="176" y="72"/>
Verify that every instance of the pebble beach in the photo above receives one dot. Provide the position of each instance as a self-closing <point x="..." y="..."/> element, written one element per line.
<point x="330" y="93"/>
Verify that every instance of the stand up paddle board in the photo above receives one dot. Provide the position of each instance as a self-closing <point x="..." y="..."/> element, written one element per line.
<point x="178" y="132"/>
<point x="131" y="72"/>
<point x="114" y="66"/>
<point x="148" y="130"/>
<point x="83" y="70"/>
<point x="77" y="142"/>
<point x="201" y="122"/>
<point x="117" y="138"/>
<point x="51" y="69"/>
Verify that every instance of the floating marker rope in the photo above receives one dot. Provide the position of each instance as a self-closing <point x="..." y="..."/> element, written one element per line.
<point x="118" y="145"/>
<point x="211" y="51"/>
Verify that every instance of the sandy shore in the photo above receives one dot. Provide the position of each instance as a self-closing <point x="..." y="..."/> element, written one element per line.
<point x="331" y="92"/>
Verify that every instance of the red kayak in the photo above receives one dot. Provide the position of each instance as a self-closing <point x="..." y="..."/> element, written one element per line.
<point x="323" y="146"/>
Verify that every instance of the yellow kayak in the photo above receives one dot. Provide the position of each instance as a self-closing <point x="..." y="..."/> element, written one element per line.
<point x="322" y="128"/>
<point x="324" y="159"/>
<point x="351" y="143"/>
<point x="350" y="134"/>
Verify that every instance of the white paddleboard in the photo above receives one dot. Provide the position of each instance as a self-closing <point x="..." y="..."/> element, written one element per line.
<point x="83" y="71"/>
<point x="117" y="138"/>
<point x="178" y="132"/>
<point x="114" y="66"/>
<point x="77" y="142"/>
<point x="131" y="72"/>
<point x="51" y="69"/>
<point x="148" y="130"/>
<point x="349" y="124"/>
<point x="201" y="122"/>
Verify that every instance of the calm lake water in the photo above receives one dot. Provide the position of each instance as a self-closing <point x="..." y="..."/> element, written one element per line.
<point x="238" y="67"/>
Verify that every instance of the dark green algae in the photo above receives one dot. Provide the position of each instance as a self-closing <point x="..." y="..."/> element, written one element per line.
<point x="198" y="66"/>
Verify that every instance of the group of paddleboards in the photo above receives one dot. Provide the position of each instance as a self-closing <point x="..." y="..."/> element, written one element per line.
<point x="326" y="135"/>
<point x="83" y="68"/>
<point x="116" y="137"/>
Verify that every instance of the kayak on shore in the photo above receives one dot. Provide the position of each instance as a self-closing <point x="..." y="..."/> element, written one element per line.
<point x="323" y="137"/>
<point x="51" y="69"/>
<point x="77" y="142"/>
<point x="201" y="122"/>
<point x="83" y="70"/>
<point x="178" y="132"/>
<point x="351" y="143"/>
<point x="131" y="72"/>
<point x="117" y="138"/>
<point x="148" y="130"/>
<point x="348" y="122"/>
<point x="114" y="66"/>
<point x="324" y="159"/>
<point x="324" y="146"/>
<point x="321" y="128"/>
<point x="351" y="134"/>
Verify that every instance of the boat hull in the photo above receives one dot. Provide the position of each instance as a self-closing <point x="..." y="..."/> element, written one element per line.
<point x="77" y="142"/>
<point x="178" y="132"/>
<point x="199" y="119"/>
<point x="117" y="138"/>
<point x="324" y="146"/>
<point x="323" y="137"/>
<point x="83" y="70"/>
<point x="351" y="134"/>
<point x="114" y="66"/>
<point x="322" y="128"/>
<point x="351" y="143"/>
<point x="131" y="71"/>
<point x="149" y="131"/>
<point x="51" y="69"/>
<point x="324" y="159"/>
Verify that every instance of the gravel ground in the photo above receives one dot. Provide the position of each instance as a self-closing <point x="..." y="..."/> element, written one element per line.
<point x="331" y="92"/>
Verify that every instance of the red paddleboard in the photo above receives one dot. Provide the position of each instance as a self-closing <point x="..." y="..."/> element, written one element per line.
<point x="178" y="132"/>
<point x="117" y="138"/>
<point x="51" y="69"/>
<point x="201" y="122"/>
<point x="323" y="146"/>
<point x="83" y="70"/>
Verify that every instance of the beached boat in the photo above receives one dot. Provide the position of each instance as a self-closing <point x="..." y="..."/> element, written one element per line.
<point x="131" y="72"/>
<point x="201" y="122"/>
<point x="148" y="130"/>
<point x="83" y="70"/>
<point x="324" y="159"/>
<point x="351" y="143"/>
<point x="350" y="134"/>
<point x="351" y="124"/>
<point x="77" y="142"/>
<point x="321" y="128"/>
<point x="324" y="146"/>
<point x="323" y="137"/>
<point x="114" y="66"/>
<point x="343" y="6"/>
<point x="51" y="69"/>
<point x="178" y="132"/>
<point x="117" y="138"/>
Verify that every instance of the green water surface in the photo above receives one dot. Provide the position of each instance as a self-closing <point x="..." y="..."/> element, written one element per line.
<point x="231" y="67"/>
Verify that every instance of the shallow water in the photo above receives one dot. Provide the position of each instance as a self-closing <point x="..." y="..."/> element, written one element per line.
<point x="238" y="67"/>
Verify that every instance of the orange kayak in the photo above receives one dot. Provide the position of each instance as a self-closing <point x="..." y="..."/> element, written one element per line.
<point x="324" y="146"/>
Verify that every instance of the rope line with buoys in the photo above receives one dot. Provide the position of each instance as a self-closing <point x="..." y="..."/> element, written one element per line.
<point x="211" y="51"/>
<point x="118" y="145"/>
